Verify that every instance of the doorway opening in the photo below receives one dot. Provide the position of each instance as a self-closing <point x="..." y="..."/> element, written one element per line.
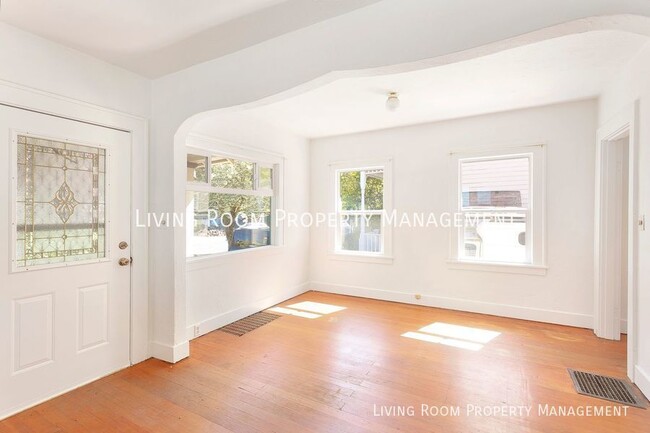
<point x="615" y="210"/>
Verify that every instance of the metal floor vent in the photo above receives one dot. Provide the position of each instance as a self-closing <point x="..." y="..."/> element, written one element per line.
<point x="250" y="323"/>
<point x="606" y="388"/>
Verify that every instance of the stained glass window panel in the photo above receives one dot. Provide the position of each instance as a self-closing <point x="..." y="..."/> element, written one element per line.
<point x="60" y="202"/>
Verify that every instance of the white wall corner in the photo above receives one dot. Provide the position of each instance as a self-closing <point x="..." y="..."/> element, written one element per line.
<point x="171" y="354"/>
<point x="503" y="310"/>
<point x="206" y="326"/>
<point x="642" y="380"/>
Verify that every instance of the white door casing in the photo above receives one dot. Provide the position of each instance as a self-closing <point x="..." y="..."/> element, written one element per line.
<point x="607" y="296"/>
<point x="65" y="323"/>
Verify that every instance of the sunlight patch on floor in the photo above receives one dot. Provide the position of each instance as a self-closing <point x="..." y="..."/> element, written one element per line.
<point x="316" y="307"/>
<point x="476" y="335"/>
<point x="444" y="341"/>
<point x="462" y="337"/>
<point x="307" y="309"/>
<point x="291" y="312"/>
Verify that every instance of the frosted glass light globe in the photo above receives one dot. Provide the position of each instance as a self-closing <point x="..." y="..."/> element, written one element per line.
<point x="392" y="103"/>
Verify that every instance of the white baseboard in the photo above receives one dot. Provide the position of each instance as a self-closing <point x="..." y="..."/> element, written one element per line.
<point x="642" y="380"/>
<point x="168" y="353"/>
<point x="216" y="322"/>
<point x="504" y="310"/>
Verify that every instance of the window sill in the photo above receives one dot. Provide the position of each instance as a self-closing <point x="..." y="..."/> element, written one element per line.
<point x="507" y="268"/>
<point x="208" y="260"/>
<point x="363" y="258"/>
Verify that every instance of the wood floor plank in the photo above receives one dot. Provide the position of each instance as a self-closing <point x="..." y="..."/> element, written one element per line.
<point x="330" y="374"/>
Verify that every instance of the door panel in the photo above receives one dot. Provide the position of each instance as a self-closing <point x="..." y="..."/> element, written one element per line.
<point x="64" y="299"/>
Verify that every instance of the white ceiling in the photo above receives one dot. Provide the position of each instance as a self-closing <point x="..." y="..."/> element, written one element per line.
<point x="562" y="69"/>
<point x="123" y="25"/>
<point x="156" y="37"/>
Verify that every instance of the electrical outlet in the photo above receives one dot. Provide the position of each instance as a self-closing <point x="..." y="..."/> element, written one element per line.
<point x="642" y="223"/>
<point x="197" y="331"/>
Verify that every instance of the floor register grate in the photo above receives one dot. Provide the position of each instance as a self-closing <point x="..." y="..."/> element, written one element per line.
<point x="250" y="323"/>
<point x="606" y="388"/>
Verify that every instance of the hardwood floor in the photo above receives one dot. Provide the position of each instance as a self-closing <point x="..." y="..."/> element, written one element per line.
<point x="338" y="372"/>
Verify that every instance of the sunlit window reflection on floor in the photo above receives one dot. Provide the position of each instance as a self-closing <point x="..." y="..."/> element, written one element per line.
<point x="307" y="309"/>
<point x="476" y="335"/>
<point x="447" y="334"/>
<point x="446" y="341"/>
<point x="291" y="312"/>
<point x="316" y="307"/>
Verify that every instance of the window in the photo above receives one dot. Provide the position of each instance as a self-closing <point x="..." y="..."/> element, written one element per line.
<point x="500" y="202"/>
<point x="60" y="202"/>
<point x="361" y="198"/>
<point x="197" y="168"/>
<point x="230" y="203"/>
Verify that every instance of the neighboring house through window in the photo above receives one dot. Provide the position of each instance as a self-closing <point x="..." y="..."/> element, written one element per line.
<point x="500" y="197"/>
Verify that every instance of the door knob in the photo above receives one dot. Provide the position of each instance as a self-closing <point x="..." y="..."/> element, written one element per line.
<point x="124" y="261"/>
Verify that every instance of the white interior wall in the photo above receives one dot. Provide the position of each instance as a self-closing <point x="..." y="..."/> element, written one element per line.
<point x="421" y="183"/>
<point x="42" y="75"/>
<point x="633" y="87"/>
<point x="226" y="288"/>
<point x="37" y="63"/>
<point x="429" y="34"/>
<point x="40" y="64"/>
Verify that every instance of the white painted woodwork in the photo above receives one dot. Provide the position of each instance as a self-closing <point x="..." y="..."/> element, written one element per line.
<point x="63" y="325"/>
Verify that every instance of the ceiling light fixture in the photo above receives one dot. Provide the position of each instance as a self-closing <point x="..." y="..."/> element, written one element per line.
<point x="392" y="103"/>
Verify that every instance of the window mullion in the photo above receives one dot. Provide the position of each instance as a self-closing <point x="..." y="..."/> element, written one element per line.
<point x="209" y="171"/>
<point x="256" y="177"/>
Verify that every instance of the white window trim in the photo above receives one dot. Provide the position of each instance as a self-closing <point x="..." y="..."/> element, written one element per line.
<point x="208" y="146"/>
<point x="507" y="268"/>
<point x="536" y="223"/>
<point x="385" y="257"/>
<point x="211" y="260"/>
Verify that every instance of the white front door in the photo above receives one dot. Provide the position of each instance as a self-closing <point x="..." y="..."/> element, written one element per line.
<point x="64" y="225"/>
